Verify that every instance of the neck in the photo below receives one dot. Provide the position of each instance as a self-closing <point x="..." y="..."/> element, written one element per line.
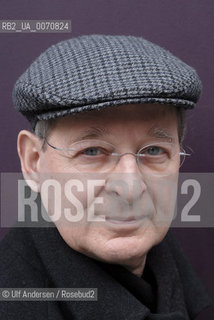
<point x="137" y="269"/>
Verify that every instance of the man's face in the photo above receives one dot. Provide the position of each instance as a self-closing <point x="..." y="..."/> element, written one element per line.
<point x="132" y="226"/>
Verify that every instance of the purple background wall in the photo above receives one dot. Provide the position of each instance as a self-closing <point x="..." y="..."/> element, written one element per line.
<point x="183" y="27"/>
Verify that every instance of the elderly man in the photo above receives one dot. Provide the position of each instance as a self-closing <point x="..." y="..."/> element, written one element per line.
<point x="108" y="120"/>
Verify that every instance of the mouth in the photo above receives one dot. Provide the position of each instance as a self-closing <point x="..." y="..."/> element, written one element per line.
<point x="129" y="220"/>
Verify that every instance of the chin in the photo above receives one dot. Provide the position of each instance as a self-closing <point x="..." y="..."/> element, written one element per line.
<point x="121" y="250"/>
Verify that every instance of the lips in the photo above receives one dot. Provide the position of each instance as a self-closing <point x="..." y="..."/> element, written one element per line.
<point x="122" y="220"/>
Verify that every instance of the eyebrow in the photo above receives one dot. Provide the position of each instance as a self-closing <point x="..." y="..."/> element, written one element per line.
<point x="96" y="132"/>
<point x="160" y="133"/>
<point x="93" y="132"/>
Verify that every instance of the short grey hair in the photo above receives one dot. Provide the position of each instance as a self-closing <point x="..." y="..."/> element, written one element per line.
<point x="43" y="128"/>
<point x="181" y="116"/>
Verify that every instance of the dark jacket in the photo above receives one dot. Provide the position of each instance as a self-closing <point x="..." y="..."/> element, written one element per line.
<point x="39" y="257"/>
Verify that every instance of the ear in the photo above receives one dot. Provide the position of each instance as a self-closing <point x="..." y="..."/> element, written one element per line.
<point x="29" y="149"/>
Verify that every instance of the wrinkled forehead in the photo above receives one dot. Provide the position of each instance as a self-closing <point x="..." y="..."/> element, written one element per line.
<point x="124" y="114"/>
<point x="126" y="122"/>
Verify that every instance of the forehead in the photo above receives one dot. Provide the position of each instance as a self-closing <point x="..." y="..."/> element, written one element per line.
<point x="134" y="117"/>
<point x="121" y="116"/>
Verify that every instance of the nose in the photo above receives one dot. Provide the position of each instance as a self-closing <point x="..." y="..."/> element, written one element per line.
<point x="125" y="180"/>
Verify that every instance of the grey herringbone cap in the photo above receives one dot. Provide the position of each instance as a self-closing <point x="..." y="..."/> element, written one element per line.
<point x="96" y="71"/>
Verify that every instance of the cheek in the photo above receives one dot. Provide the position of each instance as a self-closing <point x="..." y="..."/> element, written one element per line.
<point x="163" y="192"/>
<point x="52" y="161"/>
<point x="74" y="236"/>
<point x="65" y="199"/>
<point x="48" y="162"/>
<point x="86" y="239"/>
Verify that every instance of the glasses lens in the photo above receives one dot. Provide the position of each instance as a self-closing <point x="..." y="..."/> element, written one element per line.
<point x="158" y="156"/>
<point x="90" y="155"/>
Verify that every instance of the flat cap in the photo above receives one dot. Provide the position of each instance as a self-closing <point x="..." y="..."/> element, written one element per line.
<point x="96" y="71"/>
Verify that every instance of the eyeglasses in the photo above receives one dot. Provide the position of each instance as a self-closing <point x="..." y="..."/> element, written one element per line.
<point x="101" y="156"/>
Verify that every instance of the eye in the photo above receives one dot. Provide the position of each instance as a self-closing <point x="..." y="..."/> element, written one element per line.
<point x="92" y="151"/>
<point x="154" y="151"/>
